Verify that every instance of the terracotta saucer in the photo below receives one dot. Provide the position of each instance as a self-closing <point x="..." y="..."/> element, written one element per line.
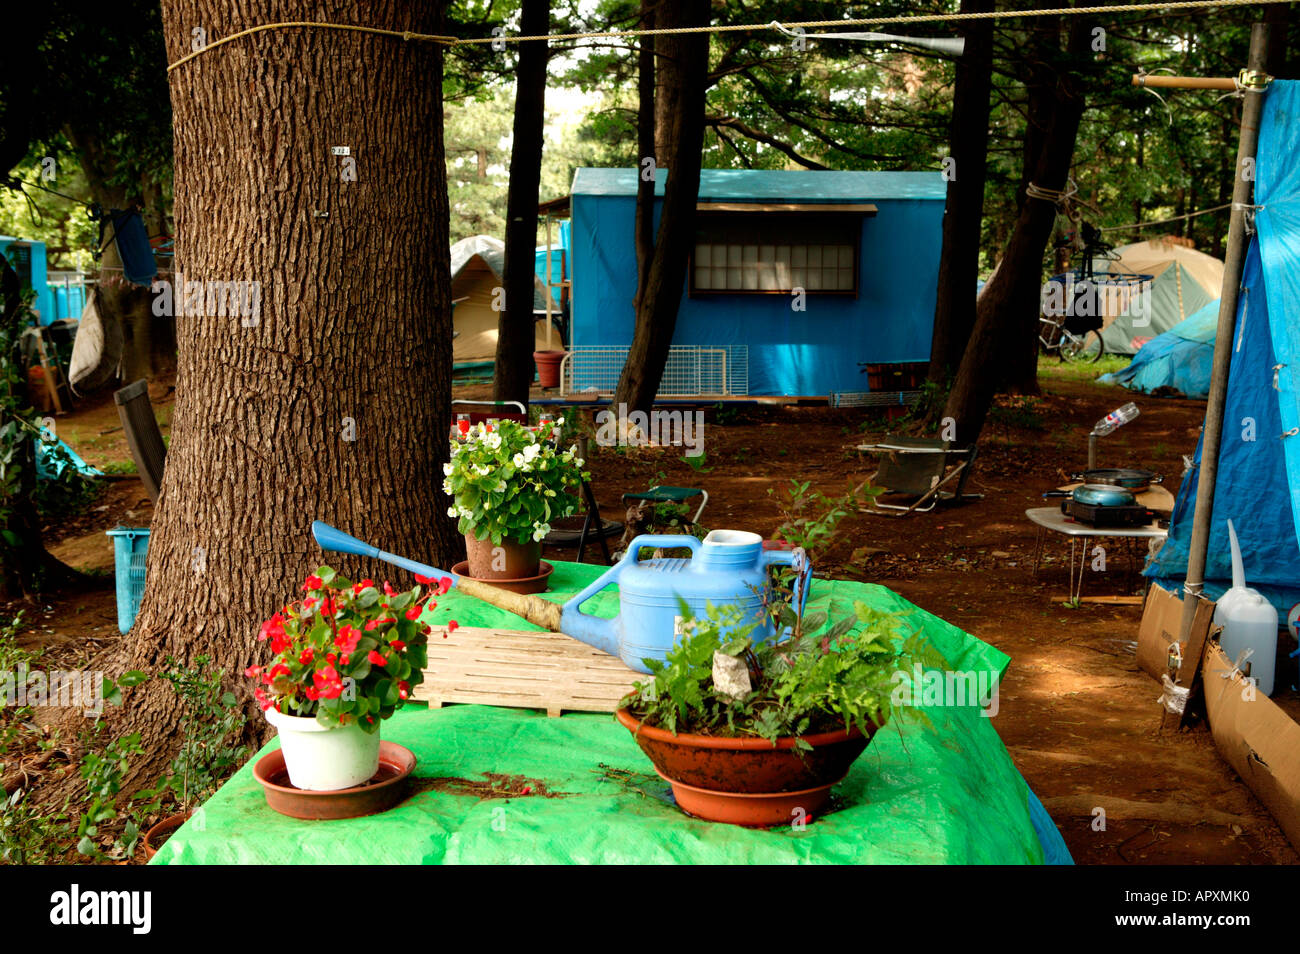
<point x="764" y="810"/>
<point x="525" y="584"/>
<point x="384" y="790"/>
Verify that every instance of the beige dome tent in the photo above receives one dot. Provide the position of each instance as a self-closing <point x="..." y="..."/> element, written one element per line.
<point x="477" y="266"/>
<point x="1183" y="281"/>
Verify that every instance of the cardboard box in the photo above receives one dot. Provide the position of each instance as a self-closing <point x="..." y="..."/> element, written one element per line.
<point x="1255" y="737"/>
<point x="1161" y="620"/>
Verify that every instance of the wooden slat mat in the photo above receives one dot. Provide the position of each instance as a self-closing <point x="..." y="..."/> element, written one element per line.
<point x="523" y="671"/>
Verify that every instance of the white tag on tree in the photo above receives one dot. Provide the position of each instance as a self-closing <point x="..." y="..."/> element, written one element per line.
<point x="730" y="675"/>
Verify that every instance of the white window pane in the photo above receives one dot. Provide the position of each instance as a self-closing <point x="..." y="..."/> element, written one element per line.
<point x="751" y="254"/>
<point x="733" y="278"/>
<point x="766" y="253"/>
<point x="830" y="278"/>
<point x="702" y="255"/>
<point x="767" y="277"/>
<point x="703" y="278"/>
<point x="846" y="256"/>
<point x="733" y="255"/>
<point x="814" y="279"/>
<point x="782" y="274"/>
<point x="751" y="279"/>
<point x="846" y="279"/>
<point x="814" y="256"/>
<point x="799" y="256"/>
<point x="798" y="278"/>
<point x="719" y="277"/>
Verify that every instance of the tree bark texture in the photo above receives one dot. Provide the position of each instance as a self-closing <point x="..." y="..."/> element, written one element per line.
<point x="954" y="312"/>
<point x="334" y="404"/>
<point x="682" y="67"/>
<point x="645" y="138"/>
<point x="1006" y="320"/>
<point x="515" y="337"/>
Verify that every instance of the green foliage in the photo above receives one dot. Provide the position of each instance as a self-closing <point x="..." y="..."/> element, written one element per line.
<point x="825" y="672"/>
<point x="508" y="481"/>
<point x="29" y="835"/>
<point x="211" y="723"/>
<point x="104" y="772"/>
<point x="810" y="519"/>
<point x="345" y="653"/>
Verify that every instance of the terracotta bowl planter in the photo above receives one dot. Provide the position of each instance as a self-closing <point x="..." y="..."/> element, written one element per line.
<point x="159" y="833"/>
<point x="515" y="561"/>
<point x="747" y="781"/>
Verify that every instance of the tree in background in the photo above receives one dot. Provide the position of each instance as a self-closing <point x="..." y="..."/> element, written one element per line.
<point x="681" y="65"/>
<point x="514" y="358"/>
<point x="954" y="310"/>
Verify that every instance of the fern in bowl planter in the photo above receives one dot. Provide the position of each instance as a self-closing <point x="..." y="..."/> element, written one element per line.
<point x="757" y="733"/>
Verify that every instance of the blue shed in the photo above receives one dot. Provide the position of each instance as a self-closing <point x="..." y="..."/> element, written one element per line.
<point x="796" y="278"/>
<point x="28" y="259"/>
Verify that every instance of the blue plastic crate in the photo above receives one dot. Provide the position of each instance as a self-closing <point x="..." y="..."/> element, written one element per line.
<point x="129" y="548"/>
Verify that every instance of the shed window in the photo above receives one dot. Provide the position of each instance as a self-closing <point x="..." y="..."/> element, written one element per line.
<point x="775" y="254"/>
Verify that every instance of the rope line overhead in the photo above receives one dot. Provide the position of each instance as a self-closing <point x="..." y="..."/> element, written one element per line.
<point x="410" y="36"/>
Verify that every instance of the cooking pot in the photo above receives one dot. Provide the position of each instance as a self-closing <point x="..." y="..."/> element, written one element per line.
<point x="1128" y="478"/>
<point x="1097" y="495"/>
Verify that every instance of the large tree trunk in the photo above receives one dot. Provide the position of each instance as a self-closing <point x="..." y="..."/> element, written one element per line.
<point x="954" y="312"/>
<point x="682" y="67"/>
<point x="1007" y="315"/>
<point x="514" y="362"/>
<point x="334" y="403"/>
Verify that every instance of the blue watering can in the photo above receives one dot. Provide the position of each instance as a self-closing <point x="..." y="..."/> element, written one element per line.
<point x="728" y="566"/>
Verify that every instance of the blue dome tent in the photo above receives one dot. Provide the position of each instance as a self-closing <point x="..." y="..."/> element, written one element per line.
<point x="1179" y="359"/>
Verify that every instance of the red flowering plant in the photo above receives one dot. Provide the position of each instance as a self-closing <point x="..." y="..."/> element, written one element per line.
<point x="346" y="651"/>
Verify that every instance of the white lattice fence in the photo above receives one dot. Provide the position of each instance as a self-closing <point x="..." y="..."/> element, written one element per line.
<point x="691" y="371"/>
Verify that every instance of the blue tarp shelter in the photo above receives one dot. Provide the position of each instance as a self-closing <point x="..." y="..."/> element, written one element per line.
<point x="864" y="247"/>
<point x="1179" y="359"/>
<point x="1258" y="484"/>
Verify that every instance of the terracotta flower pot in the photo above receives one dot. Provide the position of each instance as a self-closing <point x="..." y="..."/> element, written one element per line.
<point x="747" y="781"/>
<point x="155" y="837"/>
<point x="548" y="367"/>
<point x="508" y="560"/>
<point x="323" y="759"/>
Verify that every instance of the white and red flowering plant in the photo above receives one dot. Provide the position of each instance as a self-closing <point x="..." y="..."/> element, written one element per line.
<point x="347" y="652"/>
<point x="508" y="481"/>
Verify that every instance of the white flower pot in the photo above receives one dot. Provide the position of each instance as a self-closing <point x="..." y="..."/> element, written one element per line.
<point x="321" y="759"/>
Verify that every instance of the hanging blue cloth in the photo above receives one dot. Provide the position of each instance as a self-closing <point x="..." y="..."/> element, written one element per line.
<point x="138" y="263"/>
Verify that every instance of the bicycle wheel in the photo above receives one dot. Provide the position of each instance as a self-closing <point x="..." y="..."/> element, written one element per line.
<point x="1082" y="349"/>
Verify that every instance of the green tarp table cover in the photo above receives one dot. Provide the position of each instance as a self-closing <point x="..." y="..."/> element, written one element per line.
<point x="946" y="793"/>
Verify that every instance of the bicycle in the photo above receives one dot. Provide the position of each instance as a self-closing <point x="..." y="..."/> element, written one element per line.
<point x="1084" y="347"/>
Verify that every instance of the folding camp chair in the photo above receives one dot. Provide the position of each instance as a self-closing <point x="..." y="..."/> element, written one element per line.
<point x="925" y="468"/>
<point x="674" y="495"/>
<point x="142" y="435"/>
<point x="481" y="417"/>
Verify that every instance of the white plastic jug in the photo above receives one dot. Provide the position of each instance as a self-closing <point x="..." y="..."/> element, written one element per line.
<point x="1249" y="621"/>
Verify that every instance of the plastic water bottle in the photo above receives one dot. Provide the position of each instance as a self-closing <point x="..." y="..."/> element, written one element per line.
<point x="1249" y="621"/>
<point x="1115" y="419"/>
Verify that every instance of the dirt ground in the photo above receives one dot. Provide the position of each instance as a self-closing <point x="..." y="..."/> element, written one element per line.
<point x="1078" y="717"/>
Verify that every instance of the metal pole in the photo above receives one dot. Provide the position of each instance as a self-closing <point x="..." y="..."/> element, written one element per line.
<point x="1092" y="451"/>
<point x="1242" y="196"/>
<point x="548" y="281"/>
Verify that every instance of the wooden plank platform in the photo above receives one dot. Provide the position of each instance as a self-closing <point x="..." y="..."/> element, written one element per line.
<point x="522" y="670"/>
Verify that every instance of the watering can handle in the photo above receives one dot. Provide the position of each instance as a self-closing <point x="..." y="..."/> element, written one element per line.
<point x="797" y="560"/>
<point x="636" y="546"/>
